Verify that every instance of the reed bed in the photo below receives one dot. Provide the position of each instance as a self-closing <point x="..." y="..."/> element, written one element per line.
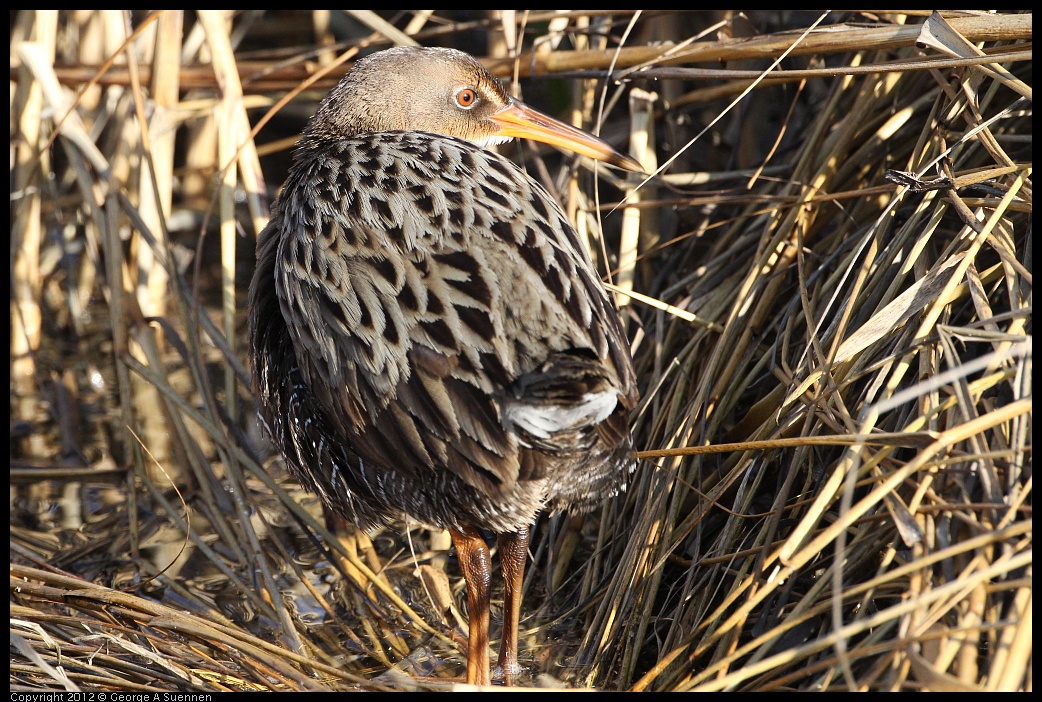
<point x="826" y="278"/>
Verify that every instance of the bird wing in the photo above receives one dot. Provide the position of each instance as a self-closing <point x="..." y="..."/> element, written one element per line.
<point x="442" y="309"/>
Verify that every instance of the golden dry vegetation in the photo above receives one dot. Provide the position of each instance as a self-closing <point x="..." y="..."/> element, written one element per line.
<point x="826" y="281"/>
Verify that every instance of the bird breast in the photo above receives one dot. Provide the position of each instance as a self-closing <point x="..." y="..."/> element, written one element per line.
<point x="426" y="280"/>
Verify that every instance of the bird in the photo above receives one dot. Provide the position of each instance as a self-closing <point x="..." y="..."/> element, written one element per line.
<point x="428" y="335"/>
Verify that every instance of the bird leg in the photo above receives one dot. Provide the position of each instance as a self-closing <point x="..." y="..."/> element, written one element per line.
<point x="477" y="571"/>
<point x="513" y="551"/>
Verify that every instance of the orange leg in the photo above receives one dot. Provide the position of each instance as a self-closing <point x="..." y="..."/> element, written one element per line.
<point x="513" y="551"/>
<point x="477" y="571"/>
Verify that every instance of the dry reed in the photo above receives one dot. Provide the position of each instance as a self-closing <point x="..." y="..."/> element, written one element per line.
<point x="828" y="287"/>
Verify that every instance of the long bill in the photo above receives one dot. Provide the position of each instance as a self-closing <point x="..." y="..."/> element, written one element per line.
<point x="521" y="121"/>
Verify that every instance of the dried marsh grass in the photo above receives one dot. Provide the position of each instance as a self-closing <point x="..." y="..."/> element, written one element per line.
<point x="828" y="286"/>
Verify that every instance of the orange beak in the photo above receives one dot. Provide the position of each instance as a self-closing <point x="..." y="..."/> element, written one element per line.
<point x="519" y="120"/>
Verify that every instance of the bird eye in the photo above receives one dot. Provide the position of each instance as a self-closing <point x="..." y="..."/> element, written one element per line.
<point x="466" y="98"/>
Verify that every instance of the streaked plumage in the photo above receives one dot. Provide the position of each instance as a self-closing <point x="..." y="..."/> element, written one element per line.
<point x="429" y="337"/>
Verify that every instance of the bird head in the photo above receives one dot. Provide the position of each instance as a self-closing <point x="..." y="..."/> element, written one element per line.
<point x="446" y="92"/>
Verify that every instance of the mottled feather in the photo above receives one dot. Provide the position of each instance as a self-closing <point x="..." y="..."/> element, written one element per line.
<point x="429" y="338"/>
<point x="415" y="328"/>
